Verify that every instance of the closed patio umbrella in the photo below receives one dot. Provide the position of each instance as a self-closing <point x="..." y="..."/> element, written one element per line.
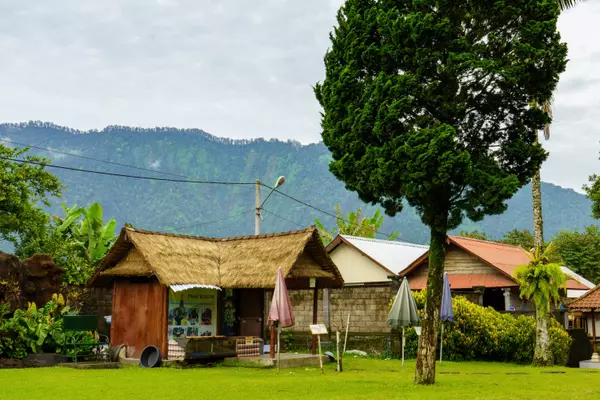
<point x="404" y="311"/>
<point x="281" y="309"/>
<point x="446" y="313"/>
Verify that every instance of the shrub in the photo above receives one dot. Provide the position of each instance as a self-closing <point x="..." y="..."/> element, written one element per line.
<point x="482" y="333"/>
<point x="37" y="330"/>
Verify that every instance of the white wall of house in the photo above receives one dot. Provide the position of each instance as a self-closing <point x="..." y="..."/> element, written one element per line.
<point x="589" y="325"/>
<point x="355" y="267"/>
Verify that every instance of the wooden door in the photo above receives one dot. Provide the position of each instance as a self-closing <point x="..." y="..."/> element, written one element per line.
<point x="139" y="316"/>
<point x="251" y="312"/>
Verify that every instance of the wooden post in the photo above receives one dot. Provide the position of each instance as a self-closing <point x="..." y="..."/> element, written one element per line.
<point x="272" y="342"/>
<point x="320" y="356"/>
<point x="339" y="355"/>
<point x="315" y="313"/>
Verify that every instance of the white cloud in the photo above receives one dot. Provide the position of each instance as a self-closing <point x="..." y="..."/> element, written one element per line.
<point x="237" y="69"/>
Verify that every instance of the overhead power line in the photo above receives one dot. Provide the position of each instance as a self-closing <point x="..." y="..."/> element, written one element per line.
<point x="141" y="177"/>
<point x="283" y="218"/>
<point x="93" y="159"/>
<point x="211" y="222"/>
<point x="185" y="180"/>
<point x="321" y="210"/>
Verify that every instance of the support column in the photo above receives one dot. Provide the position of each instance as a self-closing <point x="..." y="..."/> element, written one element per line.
<point x="506" y="293"/>
<point x="326" y="308"/>
<point x="314" y="319"/>
<point x="595" y="356"/>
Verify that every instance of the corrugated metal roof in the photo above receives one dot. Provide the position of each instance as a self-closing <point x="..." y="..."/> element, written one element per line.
<point x="395" y="256"/>
<point x="574" y="294"/>
<point x="578" y="282"/>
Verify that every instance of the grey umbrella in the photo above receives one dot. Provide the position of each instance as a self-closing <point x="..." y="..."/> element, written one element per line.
<point x="404" y="311"/>
<point x="446" y="313"/>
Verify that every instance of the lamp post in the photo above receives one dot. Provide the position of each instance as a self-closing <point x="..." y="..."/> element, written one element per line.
<point x="259" y="205"/>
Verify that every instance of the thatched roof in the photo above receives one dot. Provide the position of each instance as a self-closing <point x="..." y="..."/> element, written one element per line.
<point x="240" y="262"/>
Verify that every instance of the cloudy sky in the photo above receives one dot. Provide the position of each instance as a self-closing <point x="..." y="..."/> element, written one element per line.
<point x="235" y="68"/>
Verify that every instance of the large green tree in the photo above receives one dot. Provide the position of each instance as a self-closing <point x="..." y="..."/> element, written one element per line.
<point x="541" y="281"/>
<point x="429" y="102"/>
<point x="580" y="251"/>
<point x="23" y="189"/>
<point x="354" y="224"/>
<point x="519" y="238"/>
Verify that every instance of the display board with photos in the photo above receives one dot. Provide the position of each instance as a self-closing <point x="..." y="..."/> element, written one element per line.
<point x="192" y="312"/>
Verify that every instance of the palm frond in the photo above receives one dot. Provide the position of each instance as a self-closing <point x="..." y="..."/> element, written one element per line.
<point x="547" y="108"/>
<point x="566" y="4"/>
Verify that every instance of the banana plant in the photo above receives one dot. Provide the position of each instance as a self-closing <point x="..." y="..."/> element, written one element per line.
<point x="86" y="228"/>
<point x="354" y="224"/>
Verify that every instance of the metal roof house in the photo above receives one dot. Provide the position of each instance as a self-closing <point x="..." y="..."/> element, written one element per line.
<point x="371" y="261"/>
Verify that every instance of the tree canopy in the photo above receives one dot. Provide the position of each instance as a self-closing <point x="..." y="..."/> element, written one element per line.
<point x="580" y="251"/>
<point x="23" y="188"/>
<point x="519" y="238"/>
<point x="430" y="102"/>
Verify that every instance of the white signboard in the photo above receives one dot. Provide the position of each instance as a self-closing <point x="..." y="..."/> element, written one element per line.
<point x="192" y="313"/>
<point x="318" y="329"/>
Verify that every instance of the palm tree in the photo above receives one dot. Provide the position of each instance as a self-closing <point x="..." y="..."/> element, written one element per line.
<point x="536" y="190"/>
<point x="541" y="282"/>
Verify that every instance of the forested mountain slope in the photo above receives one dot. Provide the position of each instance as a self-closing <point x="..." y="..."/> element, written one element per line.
<point x="186" y="207"/>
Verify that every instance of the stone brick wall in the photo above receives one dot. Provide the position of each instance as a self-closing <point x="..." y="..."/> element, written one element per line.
<point x="97" y="301"/>
<point x="368" y="305"/>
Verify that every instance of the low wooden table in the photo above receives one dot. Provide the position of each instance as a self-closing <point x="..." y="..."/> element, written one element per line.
<point x="207" y="347"/>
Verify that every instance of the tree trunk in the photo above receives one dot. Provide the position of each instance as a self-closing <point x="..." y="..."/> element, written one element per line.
<point x="426" y="353"/>
<point x="538" y="221"/>
<point x="542" y="355"/>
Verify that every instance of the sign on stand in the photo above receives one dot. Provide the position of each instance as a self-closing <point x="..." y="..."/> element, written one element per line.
<point x="319" y="329"/>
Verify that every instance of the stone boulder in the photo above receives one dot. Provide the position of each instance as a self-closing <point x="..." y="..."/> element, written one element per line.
<point x="11" y="280"/>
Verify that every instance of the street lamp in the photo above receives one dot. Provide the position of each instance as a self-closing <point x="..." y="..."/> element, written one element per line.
<point x="259" y="205"/>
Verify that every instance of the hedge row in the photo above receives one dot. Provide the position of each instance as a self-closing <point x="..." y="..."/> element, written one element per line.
<point x="482" y="333"/>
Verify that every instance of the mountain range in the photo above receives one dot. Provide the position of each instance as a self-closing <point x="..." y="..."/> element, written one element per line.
<point x="219" y="210"/>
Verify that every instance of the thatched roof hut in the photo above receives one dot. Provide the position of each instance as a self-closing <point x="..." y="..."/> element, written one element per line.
<point x="239" y="262"/>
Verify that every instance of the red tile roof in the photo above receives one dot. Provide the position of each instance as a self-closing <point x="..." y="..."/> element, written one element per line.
<point x="588" y="302"/>
<point x="467" y="281"/>
<point x="504" y="257"/>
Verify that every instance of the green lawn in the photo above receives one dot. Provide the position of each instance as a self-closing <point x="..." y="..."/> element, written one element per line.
<point x="362" y="378"/>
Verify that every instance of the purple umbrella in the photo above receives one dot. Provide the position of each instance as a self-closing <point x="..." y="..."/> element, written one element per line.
<point x="446" y="313"/>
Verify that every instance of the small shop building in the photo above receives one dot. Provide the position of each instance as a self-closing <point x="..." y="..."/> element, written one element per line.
<point x="168" y="287"/>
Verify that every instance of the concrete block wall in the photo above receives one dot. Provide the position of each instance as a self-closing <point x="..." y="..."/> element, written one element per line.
<point x="368" y="307"/>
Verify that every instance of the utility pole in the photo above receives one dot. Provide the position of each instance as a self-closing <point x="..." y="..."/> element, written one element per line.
<point x="258" y="207"/>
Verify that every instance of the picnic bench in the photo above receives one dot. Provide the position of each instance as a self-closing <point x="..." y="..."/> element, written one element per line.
<point x="84" y="323"/>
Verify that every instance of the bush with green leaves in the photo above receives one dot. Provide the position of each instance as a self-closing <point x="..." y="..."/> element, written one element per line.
<point x="39" y="330"/>
<point x="482" y="333"/>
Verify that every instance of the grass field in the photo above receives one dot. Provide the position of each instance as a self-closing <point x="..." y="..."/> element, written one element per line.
<point x="362" y="378"/>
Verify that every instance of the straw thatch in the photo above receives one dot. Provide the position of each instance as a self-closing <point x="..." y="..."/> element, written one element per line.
<point x="242" y="262"/>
